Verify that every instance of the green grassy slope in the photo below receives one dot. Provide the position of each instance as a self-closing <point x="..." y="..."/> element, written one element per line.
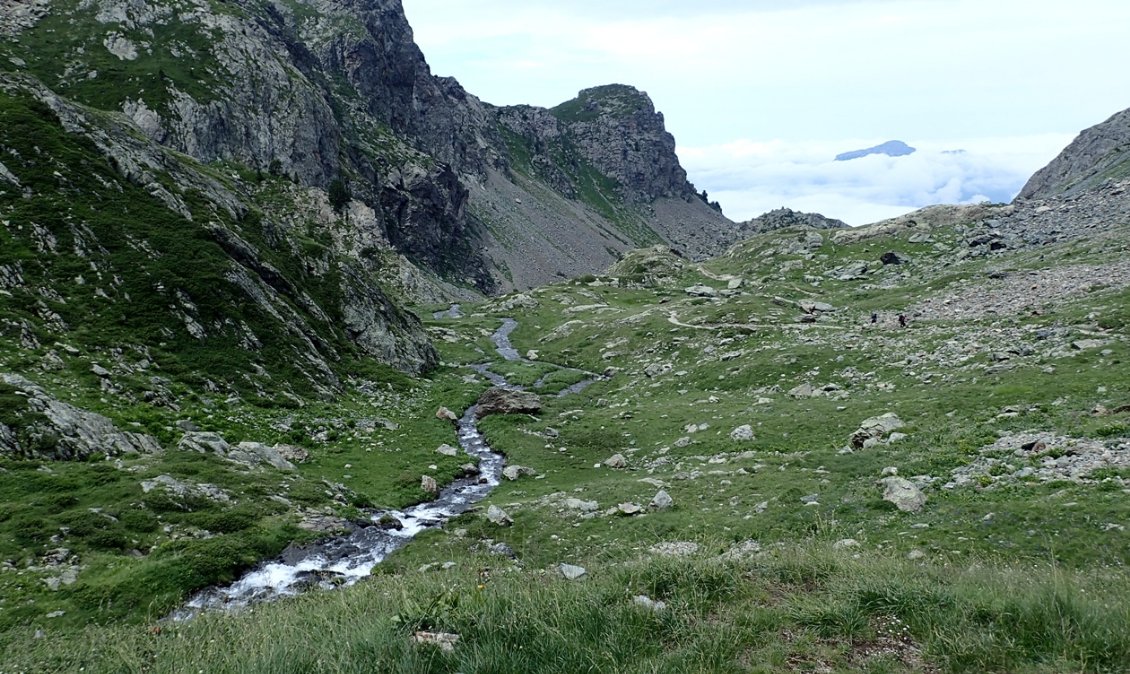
<point x="779" y="552"/>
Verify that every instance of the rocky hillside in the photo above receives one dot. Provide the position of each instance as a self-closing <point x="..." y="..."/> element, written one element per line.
<point x="1099" y="154"/>
<point x="330" y="93"/>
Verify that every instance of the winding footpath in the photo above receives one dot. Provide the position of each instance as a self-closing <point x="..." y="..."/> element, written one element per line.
<point x="344" y="560"/>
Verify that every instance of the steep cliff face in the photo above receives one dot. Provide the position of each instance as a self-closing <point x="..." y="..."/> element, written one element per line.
<point x="1098" y="154"/>
<point x="337" y="90"/>
<point x="618" y="130"/>
<point x="615" y="183"/>
<point x="115" y="245"/>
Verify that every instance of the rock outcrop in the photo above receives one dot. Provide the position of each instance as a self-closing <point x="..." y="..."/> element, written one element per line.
<point x="783" y="218"/>
<point x="51" y="429"/>
<point x="1097" y="154"/>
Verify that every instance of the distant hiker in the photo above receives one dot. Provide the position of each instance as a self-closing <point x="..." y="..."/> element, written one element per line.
<point x="874" y="317"/>
<point x="902" y="320"/>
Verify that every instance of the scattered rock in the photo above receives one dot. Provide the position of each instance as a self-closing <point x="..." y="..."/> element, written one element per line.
<point x="903" y="493"/>
<point x="447" y="450"/>
<point x="583" y="506"/>
<point x="616" y="461"/>
<point x="1085" y="344"/>
<point x="498" y="516"/>
<point x="204" y="442"/>
<point x="648" y="603"/>
<point x="175" y="487"/>
<point x="743" y="550"/>
<point x="293" y="453"/>
<point x="675" y="548"/>
<point x="514" y="472"/>
<point x="805" y="390"/>
<point x="742" y="433"/>
<point x="629" y="508"/>
<point x="661" y="501"/>
<point x="503" y="550"/>
<point x="255" y="453"/>
<point x="872" y="431"/>
<point x="428" y="484"/>
<point x="442" y="640"/>
<point x="571" y="571"/>
<point x="658" y="369"/>
<point x="446" y="414"/>
<point x="845" y="544"/>
<point x="701" y="290"/>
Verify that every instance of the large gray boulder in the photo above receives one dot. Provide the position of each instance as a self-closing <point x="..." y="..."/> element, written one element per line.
<point x="903" y="493"/>
<point x="875" y="430"/>
<point x="498" y="400"/>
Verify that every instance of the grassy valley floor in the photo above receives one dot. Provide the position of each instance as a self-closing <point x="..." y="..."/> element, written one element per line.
<point x="776" y="474"/>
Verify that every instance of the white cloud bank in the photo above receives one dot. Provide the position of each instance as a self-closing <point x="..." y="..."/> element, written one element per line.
<point x="750" y="177"/>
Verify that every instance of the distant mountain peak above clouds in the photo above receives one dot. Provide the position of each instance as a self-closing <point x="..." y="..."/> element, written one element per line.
<point x="891" y="148"/>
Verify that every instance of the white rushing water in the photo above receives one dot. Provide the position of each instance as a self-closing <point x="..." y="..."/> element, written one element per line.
<point x="343" y="560"/>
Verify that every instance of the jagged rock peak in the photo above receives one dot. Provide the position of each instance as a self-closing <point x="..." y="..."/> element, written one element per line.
<point x="1097" y="154"/>
<point x="782" y="218"/>
<point x="617" y="128"/>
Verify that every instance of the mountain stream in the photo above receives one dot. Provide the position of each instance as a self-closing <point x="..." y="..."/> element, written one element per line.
<point x="342" y="561"/>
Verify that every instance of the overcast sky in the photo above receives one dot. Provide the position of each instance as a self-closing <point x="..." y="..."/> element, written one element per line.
<point x="762" y="94"/>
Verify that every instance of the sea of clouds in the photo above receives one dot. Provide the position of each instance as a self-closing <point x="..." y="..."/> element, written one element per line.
<point x="751" y="177"/>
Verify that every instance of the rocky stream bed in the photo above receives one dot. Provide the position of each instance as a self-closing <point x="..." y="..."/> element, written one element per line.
<point x="343" y="560"/>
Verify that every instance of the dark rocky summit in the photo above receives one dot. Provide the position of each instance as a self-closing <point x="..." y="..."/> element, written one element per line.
<point x="1097" y="155"/>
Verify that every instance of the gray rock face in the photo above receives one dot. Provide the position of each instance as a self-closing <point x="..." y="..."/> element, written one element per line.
<point x="247" y="453"/>
<point x="617" y="128"/>
<point x="63" y="432"/>
<point x="1096" y="155"/>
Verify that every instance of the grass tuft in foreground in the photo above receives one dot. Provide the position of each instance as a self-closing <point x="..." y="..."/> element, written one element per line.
<point x="784" y="611"/>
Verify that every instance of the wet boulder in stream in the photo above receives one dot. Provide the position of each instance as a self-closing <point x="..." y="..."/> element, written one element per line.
<point x="498" y="400"/>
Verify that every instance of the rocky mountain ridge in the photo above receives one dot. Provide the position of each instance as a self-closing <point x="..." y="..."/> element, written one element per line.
<point x="323" y="90"/>
<point x="1098" y="154"/>
<point x="782" y="218"/>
